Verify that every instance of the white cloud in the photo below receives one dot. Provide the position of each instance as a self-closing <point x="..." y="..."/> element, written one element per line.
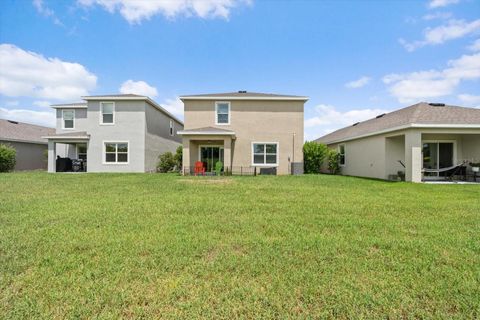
<point x="42" y="103"/>
<point x="46" y="12"/>
<point x="43" y="118"/>
<point x="328" y="119"/>
<point x="454" y="29"/>
<point x="363" y="81"/>
<point x="415" y="86"/>
<point x="25" y="73"/>
<point x="469" y="99"/>
<point x="441" y="3"/>
<point x="174" y="106"/>
<point x="134" y="11"/>
<point x="138" y="87"/>
<point x="437" y="15"/>
<point x="475" y="46"/>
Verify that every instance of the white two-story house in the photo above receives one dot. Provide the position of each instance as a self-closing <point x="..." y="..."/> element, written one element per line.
<point x="113" y="133"/>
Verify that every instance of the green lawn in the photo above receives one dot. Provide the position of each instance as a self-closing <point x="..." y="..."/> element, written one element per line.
<point x="151" y="245"/>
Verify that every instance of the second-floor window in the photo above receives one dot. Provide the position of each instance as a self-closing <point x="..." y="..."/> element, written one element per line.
<point x="107" y="113"/>
<point x="222" y="113"/>
<point x="68" y="119"/>
<point x="171" y="128"/>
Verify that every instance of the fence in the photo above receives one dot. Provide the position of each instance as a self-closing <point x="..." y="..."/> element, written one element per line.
<point x="227" y="171"/>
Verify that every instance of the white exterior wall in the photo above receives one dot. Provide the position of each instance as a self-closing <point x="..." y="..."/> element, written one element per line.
<point x="129" y="127"/>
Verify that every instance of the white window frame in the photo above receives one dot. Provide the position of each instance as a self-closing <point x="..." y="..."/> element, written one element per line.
<point x="104" y="153"/>
<point x="344" y="154"/>
<point x="276" y="164"/>
<point x="101" y="114"/>
<point x="216" y="113"/>
<point x="454" y="160"/>
<point x="63" y="119"/>
<point x="86" y="146"/>
<point x="172" y="128"/>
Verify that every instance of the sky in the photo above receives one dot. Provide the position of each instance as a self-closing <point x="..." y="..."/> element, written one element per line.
<point x="353" y="59"/>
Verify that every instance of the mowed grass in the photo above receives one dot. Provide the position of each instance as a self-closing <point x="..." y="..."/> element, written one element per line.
<point x="164" y="246"/>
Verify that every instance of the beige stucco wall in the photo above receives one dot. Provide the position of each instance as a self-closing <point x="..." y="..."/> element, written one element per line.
<point x="254" y="121"/>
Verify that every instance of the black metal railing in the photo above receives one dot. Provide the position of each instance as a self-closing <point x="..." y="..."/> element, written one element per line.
<point x="227" y="171"/>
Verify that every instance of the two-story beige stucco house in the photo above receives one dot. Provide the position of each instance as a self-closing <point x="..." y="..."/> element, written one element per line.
<point x="245" y="131"/>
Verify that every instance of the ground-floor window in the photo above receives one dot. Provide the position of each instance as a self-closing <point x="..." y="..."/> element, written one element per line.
<point x="116" y="152"/>
<point x="341" y="152"/>
<point x="265" y="153"/>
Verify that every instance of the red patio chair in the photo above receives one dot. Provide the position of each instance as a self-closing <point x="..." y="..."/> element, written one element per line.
<point x="199" y="168"/>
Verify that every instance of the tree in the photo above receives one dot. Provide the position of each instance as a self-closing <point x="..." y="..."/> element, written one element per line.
<point x="7" y="158"/>
<point x="178" y="157"/>
<point x="166" y="162"/>
<point x="313" y="156"/>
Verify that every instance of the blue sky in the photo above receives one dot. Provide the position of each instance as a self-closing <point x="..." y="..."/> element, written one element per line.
<point x="354" y="59"/>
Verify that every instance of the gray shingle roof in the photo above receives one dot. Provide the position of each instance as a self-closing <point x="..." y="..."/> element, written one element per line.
<point x="209" y="130"/>
<point x="70" y="104"/>
<point x="20" y="131"/>
<point x="117" y="95"/>
<point x="421" y="113"/>
<point x="242" y="94"/>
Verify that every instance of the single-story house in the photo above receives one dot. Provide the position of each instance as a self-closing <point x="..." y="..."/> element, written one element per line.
<point x="422" y="141"/>
<point x="28" y="142"/>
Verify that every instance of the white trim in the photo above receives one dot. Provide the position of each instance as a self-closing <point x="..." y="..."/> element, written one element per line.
<point x="265" y="164"/>
<point x="101" y="113"/>
<point x="65" y="137"/>
<point x="76" y="149"/>
<point x="216" y="133"/>
<point x="344" y="153"/>
<point x="115" y="142"/>
<point x="69" y="106"/>
<point x="63" y="120"/>
<point x="243" y="98"/>
<point x="229" y="113"/>
<point x="408" y="126"/>
<point x="171" y="130"/>
<point x="141" y="98"/>
<point x="221" y="146"/>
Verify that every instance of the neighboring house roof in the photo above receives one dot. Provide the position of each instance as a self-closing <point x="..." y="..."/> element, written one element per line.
<point x="23" y="132"/>
<point x="130" y="96"/>
<point x="206" y="131"/>
<point x="242" y="95"/>
<point x="69" y="135"/>
<point x="421" y="115"/>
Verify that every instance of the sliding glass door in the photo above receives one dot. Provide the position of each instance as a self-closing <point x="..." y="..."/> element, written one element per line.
<point x="437" y="155"/>
<point x="210" y="155"/>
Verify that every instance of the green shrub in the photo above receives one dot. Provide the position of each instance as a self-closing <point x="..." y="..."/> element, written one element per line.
<point x="178" y="157"/>
<point x="313" y="156"/>
<point x="333" y="159"/>
<point x="166" y="162"/>
<point x="7" y="158"/>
